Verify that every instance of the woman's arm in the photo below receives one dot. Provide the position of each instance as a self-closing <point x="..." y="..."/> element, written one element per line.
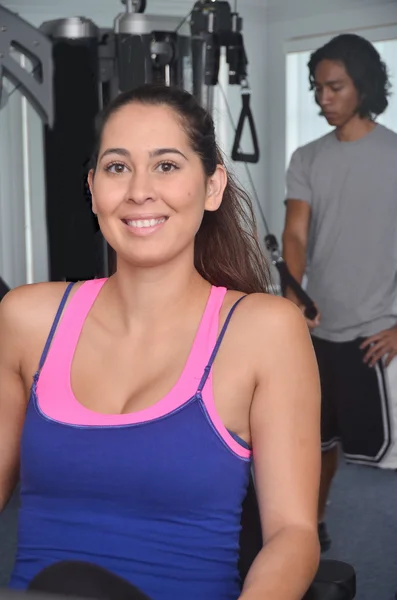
<point x="285" y="429"/>
<point x="12" y="395"/>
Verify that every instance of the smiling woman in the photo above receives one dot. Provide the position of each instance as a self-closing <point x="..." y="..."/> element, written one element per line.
<point x="157" y="386"/>
<point x="223" y="226"/>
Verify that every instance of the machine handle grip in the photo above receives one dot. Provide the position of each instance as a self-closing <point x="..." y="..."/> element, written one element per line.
<point x="4" y="289"/>
<point x="287" y="280"/>
<point x="245" y="114"/>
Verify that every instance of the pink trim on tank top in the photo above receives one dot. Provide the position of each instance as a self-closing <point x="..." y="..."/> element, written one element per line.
<point x="54" y="381"/>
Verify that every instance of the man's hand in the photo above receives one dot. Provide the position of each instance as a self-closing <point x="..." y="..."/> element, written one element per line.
<point x="381" y="345"/>
<point x="311" y="323"/>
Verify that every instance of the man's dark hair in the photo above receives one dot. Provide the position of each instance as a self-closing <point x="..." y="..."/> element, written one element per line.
<point x="364" y="66"/>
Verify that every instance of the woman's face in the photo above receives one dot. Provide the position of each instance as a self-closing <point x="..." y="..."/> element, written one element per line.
<point x="149" y="189"/>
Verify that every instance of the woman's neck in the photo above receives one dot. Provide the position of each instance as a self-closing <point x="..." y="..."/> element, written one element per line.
<point x="154" y="294"/>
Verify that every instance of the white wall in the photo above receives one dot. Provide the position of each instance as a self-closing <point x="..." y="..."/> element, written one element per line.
<point x="304" y="25"/>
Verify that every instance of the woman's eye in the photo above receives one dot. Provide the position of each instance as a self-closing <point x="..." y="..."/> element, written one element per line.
<point x="167" y="167"/>
<point x="115" y="168"/>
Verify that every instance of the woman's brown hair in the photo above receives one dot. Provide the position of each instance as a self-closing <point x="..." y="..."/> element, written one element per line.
<point x="227" y="252"/>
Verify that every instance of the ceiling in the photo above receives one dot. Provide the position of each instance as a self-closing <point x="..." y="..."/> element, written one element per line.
<point x="295" y="9"/>
<point x="273" y="9"/>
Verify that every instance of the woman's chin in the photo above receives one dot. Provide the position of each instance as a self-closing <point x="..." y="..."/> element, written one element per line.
<point x="144" y="260"/>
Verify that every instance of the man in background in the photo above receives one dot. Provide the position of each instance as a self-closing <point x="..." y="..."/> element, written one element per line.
<point x="341" y="231"/>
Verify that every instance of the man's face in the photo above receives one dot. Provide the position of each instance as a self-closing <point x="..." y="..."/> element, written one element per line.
<point x="335" y="93"/>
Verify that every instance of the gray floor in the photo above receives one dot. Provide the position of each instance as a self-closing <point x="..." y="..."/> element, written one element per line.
<point x="362" y="520"/>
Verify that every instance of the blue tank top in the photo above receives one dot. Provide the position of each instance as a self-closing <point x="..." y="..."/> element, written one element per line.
<point x="155" y="496"/>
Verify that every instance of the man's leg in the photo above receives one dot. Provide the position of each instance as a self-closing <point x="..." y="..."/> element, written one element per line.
<point x="366" y="410"/>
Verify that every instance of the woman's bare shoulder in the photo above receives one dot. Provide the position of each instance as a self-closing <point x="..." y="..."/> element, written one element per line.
<point x="28" y="302"/>
<point x="31" y="308"/>
<point x="270" y="308"/>
<point x="26" y="316"/>
<point x="265" y="322"/>
<point x="267" y="311"/>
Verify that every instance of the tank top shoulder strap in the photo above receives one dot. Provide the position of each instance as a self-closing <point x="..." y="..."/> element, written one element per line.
<point x="55" y="324"/>
<point x="208" y="368"/>
<point x="204" y="341"/>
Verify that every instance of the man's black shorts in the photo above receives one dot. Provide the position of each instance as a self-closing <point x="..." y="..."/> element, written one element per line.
<point x="357" y="403"/>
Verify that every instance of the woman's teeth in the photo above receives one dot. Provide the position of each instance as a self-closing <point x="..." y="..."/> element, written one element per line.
<point x="146" y="222"/>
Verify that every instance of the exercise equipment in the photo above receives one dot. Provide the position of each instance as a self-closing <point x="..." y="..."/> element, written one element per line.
<point x="17" y="35"/>
<point x="286" y="279"/>
<point x="215" y="26"/>
<point x="77" y="251"/>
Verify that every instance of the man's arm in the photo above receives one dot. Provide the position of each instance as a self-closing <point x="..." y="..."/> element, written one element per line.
<point x="297" y="221"/>
<point x="295" y="237"/>
<point x="296" y="229"/>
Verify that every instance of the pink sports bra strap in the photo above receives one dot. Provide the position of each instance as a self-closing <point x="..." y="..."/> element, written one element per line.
<point x="68" y="324"/>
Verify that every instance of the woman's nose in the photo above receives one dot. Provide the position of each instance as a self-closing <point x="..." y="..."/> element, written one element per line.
<point x="140" y="188"/>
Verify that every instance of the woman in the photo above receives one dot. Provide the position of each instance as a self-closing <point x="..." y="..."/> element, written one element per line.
<point x="156" y="384"/>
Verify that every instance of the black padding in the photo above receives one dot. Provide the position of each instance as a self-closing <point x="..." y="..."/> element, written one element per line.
<point x="85" y="580"/>
<point x="251" y="533"/>
<point x="335" y="580"/>
<point x="328" y="591"/>
<point x="76" y="248"/>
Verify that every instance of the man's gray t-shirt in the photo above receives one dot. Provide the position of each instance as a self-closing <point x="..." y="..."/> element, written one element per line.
<point x="352" y="250"/>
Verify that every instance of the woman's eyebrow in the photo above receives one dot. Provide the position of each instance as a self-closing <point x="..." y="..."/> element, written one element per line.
<point x="152" y="153"/>
<point x="122" y="151"/>
<point x="161" y="151"/>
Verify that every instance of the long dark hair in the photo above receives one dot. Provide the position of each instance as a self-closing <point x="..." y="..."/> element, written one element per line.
<point x="364" y="66"/>
<point x="227" y="252"/>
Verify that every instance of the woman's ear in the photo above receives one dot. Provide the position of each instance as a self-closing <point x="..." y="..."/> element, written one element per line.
<point x="90" y="182"/>
<point x="216" y="186"/>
